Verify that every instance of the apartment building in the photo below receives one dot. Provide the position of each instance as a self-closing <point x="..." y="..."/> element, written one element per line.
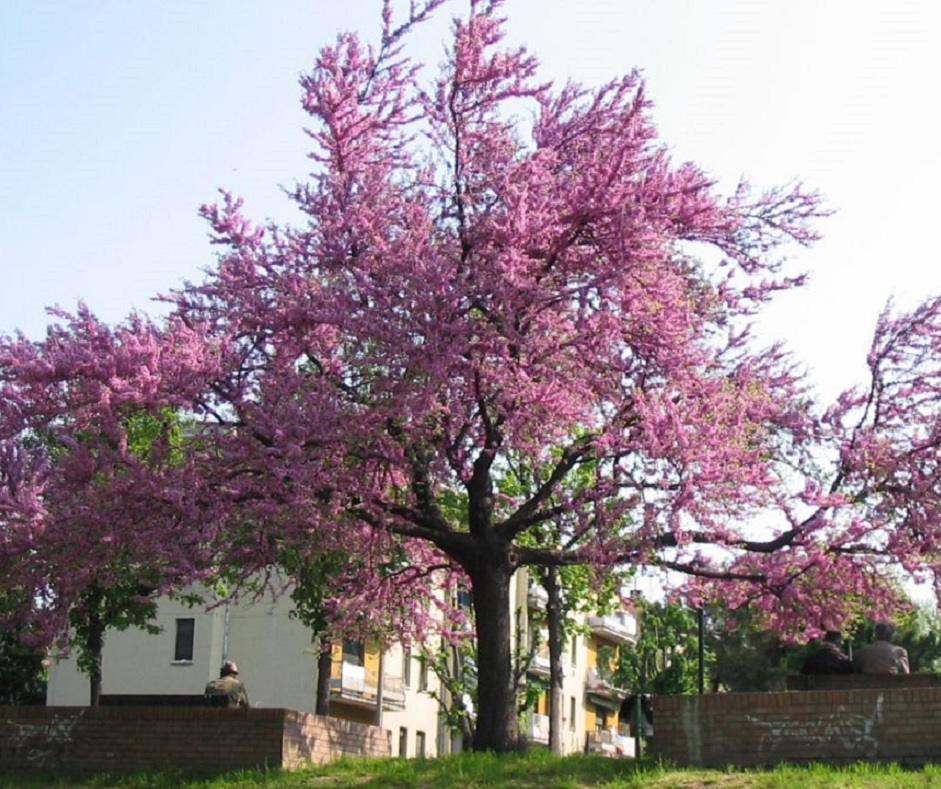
<point x="592" y="701"/>
<point x="394" y="689"/>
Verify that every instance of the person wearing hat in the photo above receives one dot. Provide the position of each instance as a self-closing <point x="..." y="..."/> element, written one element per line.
<point x="828" y="658"/>
<point x="229" y="685"/>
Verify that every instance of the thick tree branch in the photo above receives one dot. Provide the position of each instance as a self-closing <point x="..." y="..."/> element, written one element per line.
<point x="529" y="513"/>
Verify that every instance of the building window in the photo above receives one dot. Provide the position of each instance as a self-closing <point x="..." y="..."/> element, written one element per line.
<point x="420" y="744"/>
<point x="403" y="742"/>
<point x="407" y="667"/>
<point x="183" y="648"/>
<point x="354" y="652"/>
<point x="574" y="648"/>
<point x="572" y="713"/>
<point x="423" y="673"/>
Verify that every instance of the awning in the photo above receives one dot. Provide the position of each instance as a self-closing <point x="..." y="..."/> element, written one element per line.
<point x="605" y="701"/>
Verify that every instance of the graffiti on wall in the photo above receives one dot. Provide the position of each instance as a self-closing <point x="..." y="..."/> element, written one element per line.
<point x="839" y="728"/>
<point x="39" y="743"/>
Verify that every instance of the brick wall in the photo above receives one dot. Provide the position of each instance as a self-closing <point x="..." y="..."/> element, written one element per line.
<point x="311" y="738"/>
<point x="900" y="724"/>
<point x="137" y="738"/>
<point x="845" y="681"/>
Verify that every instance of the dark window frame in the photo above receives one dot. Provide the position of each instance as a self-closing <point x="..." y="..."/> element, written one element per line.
<point x="423" y="671"/>
<point x="185" y="639"/>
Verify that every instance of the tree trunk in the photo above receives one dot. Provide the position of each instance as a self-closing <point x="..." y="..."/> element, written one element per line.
<point x="556" y="699"/>
<point x="497" y="720"/>
<point x="95" y="646"/>
<point x="324" y="667"/>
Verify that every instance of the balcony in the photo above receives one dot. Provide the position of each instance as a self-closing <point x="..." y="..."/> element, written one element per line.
<point x="613" y="743"/>
<point x="537" y="598"/>
<point x="619" y="627"/>
<point x="540" y="664"/>
<point x="358" y="686"/>
<point x="536" y="728"/>
<point x="601" y="690"/>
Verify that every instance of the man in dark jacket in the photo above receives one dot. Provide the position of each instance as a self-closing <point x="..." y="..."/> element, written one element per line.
<point x="828" y="658"/>
<point x="229" y="685"/>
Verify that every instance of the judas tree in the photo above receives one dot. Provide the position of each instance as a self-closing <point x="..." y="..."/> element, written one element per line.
<point x="93" y="483"/>
<point x="493" y="270"/>
<point x="862" y="515"/>
<point x="491" y="274"/>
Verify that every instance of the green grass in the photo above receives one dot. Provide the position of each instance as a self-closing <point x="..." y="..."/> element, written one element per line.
<point x="534" y="770"/>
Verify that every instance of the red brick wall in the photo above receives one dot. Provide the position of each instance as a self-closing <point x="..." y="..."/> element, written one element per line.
<point x="745" y="729"/>
<point x="136" y="738"/>
<point x="311" y="738"/>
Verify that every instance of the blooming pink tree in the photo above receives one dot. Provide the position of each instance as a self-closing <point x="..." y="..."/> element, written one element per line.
<point x="97" y="505"/>
<point x="472" y="295"/>
<point x="865" y="515"/>
<point x="492" y="343"/>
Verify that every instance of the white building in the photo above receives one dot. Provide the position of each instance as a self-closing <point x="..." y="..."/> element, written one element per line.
<point x="277" y="661"/>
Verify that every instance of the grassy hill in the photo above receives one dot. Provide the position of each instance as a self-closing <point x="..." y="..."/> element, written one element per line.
<point x="533" y="770"/>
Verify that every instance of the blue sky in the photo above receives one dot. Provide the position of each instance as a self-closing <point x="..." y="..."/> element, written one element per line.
<point x="117" y="120"/>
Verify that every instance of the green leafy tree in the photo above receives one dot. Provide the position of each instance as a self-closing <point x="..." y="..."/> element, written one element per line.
<point x="119" y="605"/>
<point x="918" y="631"/>
<point x="920" y="634"/>
<point x="570" y="590"/>
<point x="665" y="659"/>
<point x="312" y="587"/>
<point x="454" y="664"/>
<point x="22" y="672"/>
<point x="745" y="655"/>
<point x="748" y="657"/>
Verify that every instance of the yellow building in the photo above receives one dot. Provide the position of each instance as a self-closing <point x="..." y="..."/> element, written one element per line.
<point x="591" y="701"/>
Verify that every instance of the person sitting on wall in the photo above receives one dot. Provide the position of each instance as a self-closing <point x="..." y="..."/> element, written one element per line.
<point x="882" y="656"/>
<point x="828" y="658"/>
<point x="229" y="685"/>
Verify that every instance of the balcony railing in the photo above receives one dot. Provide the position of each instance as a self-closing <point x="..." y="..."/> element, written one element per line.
<point x="358" y="685"/>
<point x="620" y="627"/>
<point x="601" y="684"/>
<point x="610" y="743"/>
<point x="537" y="598"/>
<point x="536" y="727"/>
<point x="540" y="664"/>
